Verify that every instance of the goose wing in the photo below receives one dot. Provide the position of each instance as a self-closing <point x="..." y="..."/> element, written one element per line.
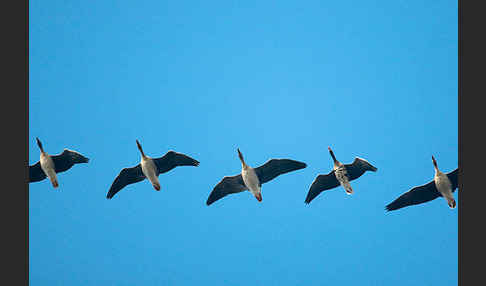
<point x="320" y="184"/>
<point x="127" y="176"/>
<point x="35" y="173"/>
<point x="228" y="185"/>
<point x="173" y="159"/>
<point x="275" y="167"/>
<point x="358" y="168"/>
<point x="67" y="159"/>
<point x="415" y="196"/>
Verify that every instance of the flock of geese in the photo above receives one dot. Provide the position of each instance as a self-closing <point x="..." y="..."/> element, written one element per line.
<point x="251" y="179"/>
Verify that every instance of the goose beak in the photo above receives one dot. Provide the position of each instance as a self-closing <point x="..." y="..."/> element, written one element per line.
<point x="259" y="197"/>
<point x="241" y="156"/>
<point x="38" y="143"/>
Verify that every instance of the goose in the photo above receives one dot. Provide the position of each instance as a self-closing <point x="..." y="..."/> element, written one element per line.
<point x="252" y="178"/>
<point x="149" y="168"/>
<point x="341" y="174"/>
<point x="48" y="166"/>
<point x="443" y="185"/>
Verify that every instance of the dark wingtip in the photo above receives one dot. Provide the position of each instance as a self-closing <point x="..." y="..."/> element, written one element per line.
<point x="308" y="199"/>
<point x="301" y="165"/>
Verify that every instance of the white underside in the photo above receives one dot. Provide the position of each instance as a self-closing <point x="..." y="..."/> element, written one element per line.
<point x="150" y="171"/>
<point x="47" y="165"/>
<point x="340" y="172"/>
<point x="251" y="180"/>
<point x="444" y="186"/>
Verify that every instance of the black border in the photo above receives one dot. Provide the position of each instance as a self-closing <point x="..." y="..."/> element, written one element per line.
<point x="15" y="131"/>
<point x="460" y="256"/>
<point x="471" y="239"/>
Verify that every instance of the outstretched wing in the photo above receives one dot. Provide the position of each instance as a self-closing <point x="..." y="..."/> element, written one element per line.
<point x="320" y="184"/>
<point x="228" y="185"/>
<point x="173" y="159"/>
<point x="127" y="176"/>
<point x="415" y="196"/>
<point x="358" y="168"/>
<point x="35" y="173"/>
<point x="275" y="167"/>
<point x="67" y="159"/>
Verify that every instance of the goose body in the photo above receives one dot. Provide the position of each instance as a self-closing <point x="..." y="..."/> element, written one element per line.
<point x="150" y="171"/>
<point x="251" y="179"/>
<point x="49" y="166"/>
<point x="443" y="185"/>
<point x="149" y="168"/>
<point x="342" y="174"/>
<point x="342" y="177"/>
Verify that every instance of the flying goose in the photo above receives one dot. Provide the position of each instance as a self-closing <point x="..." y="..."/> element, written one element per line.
<point x="443" y="185"/>
<point x="252" y="179"/>
<point x="149" y="168"/>
<point x="49" y="166"/>
<point x="341" y="174"/>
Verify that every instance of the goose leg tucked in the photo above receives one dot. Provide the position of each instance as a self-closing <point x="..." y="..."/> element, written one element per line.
<point x="451" y="202"/>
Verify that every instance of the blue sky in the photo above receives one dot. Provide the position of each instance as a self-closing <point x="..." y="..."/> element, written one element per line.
<point x="278" y="79"/>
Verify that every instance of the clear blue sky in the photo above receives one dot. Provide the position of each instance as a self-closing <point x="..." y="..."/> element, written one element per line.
<point x="278" y="79"/>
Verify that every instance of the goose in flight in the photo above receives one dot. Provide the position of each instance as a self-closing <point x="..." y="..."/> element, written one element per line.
<point x="341" y="174"/>
<point x="48" y="166"/>
<point x="149" y="168"/>
<point x="252" y="178"/>
<point x="443" y="185"/>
